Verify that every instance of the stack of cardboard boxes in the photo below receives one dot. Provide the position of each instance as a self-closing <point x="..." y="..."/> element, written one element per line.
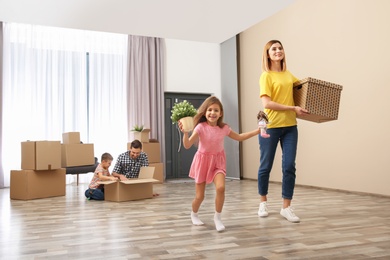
<point x="41" y="175"/>
<point x="152" y="148"/>
<point x="75" y="153"/>
<point x="43" y="166"/>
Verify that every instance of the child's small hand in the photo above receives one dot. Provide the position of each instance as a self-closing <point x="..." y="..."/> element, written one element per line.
<point x="112" y="178"/>
<point x="180" y="126"/>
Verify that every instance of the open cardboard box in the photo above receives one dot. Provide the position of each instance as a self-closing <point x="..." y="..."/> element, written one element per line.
<point x="131" y="189"/>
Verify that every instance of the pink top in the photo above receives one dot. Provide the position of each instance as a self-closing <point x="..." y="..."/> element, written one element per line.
<point x="210" y="158"/>
<point x="95" y="178"/>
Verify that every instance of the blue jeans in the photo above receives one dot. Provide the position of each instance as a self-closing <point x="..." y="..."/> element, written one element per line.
<point x="288" y="138"/>
<point x="95" y="194"/>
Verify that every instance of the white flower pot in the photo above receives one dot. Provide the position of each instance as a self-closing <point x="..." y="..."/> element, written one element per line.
<point x="187" y="123"/>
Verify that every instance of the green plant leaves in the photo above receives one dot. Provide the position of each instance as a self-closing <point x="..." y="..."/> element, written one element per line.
<point x="182" y="109"/>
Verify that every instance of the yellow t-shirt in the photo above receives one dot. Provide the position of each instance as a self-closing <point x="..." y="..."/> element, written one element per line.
<point x="279" y="87"/>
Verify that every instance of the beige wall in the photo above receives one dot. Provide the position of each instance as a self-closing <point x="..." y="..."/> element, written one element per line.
<point x="341" y="41"/>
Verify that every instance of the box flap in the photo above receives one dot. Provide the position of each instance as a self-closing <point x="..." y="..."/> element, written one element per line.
<point x="146" y="173"/>
<point x="106" y="182"/>
<point x="135" y="181"/>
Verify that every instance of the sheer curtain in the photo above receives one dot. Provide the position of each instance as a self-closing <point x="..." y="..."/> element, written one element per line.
<point x="60" y="80"/>
<point x="107" y="92"/>
<point x="146" y="85"/>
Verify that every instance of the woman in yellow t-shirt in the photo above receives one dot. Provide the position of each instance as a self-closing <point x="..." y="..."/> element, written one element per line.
<point x="276" y="93"/>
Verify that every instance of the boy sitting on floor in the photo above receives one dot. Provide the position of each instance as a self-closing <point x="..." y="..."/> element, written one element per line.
<point x="95" y="190"/>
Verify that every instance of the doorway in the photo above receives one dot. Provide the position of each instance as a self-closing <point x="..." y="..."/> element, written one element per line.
<point x="178" y="159"/>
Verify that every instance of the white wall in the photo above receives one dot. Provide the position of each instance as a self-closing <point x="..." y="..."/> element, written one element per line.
<point x="193" y="67"/>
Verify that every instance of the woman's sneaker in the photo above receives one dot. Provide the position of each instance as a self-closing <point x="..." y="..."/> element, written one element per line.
<point x="289" y="214"/>
<point x="263" y="210"/>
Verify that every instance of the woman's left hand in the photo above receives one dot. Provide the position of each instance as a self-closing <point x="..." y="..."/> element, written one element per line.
<point x="301" y="111"/>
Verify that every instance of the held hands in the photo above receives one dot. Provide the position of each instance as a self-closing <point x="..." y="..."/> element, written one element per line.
<point x="262" y="129"/>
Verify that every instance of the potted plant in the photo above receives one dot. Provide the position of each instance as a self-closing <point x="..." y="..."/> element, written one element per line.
<point x="137" y="128"/>
<point x="140" y="133"/>
<point x="185" y="112"/>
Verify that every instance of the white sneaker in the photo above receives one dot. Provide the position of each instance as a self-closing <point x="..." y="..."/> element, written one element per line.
<point x="289" y="214"/>
<point x="263" y="210"/>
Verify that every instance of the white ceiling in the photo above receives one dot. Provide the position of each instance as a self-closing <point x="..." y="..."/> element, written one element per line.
<point x="211" y="21"/>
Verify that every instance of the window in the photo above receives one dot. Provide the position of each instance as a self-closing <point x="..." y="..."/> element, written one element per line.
<point x="60" y="80"/>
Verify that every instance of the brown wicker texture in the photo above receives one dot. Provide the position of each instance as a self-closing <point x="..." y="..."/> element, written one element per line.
<point x="320" y="98"/>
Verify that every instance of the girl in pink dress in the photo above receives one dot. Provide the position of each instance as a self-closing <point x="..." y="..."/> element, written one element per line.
<point x="209" y="163"/>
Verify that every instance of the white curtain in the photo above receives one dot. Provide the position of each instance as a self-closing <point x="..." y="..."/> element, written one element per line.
<point x="61" y="80"/>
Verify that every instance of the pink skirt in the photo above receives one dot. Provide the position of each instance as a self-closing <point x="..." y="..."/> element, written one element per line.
<point x="205" y="166"/>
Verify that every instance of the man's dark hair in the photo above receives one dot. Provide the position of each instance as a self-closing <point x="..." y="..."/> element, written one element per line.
<point x="136" y="144"/>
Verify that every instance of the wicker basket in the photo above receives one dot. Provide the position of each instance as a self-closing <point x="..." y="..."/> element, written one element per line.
<point x="320" y="98"/>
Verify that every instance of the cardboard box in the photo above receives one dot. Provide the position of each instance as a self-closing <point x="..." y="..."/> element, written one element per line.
<point x="71" y="138"/>
<point x="77" y="155"/>
<point x="30" y="184"/>
<point x="152" y="149"/>
<point x="158" y="171"/>
<point x="142" y="136"/>
<point x="41" y="155"/>
<point x="320" y="98"/>
<point x="131" y="189"/>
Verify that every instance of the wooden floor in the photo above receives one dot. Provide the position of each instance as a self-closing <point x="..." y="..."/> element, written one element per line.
<point x="334" y="225"/>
